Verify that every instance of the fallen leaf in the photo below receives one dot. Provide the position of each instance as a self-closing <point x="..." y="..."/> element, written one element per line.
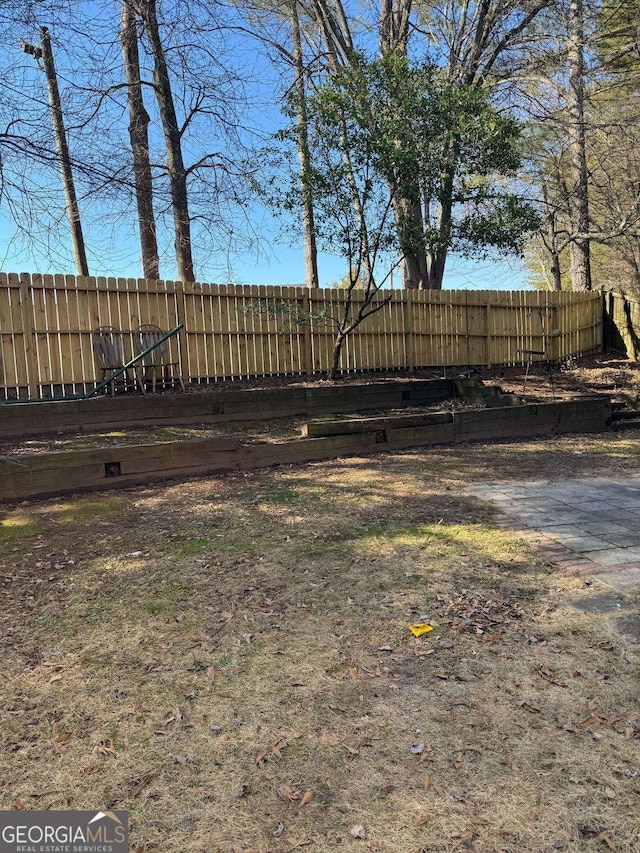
<point x="180" y="759"/>
<point x="459" y="760"/>
<point x="287" y="794"/>
<point x="278" y="745"/>
<point x="604" y="837"/>
<point x="260" y="759"/>
<point x="55" y="678"/>
<point x="105" y="748"/>
<point x="211" y="673"/>
<point x="610" y="792"/>
<point x="63" y="737"/>
<point x="18" y="803"/>
<point x="306" y="799"/>
<point x="142" y="783"/>
<point x="428" y="782"/>
<point x="358" y="831"/>
<point x="420" y="819"/>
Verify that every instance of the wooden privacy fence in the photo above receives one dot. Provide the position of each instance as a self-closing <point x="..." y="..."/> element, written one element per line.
<point x="622" y="323"/>
<point x="243" y="331"/>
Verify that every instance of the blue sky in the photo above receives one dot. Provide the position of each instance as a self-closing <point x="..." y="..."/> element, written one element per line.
<point x="280" y="264"/>
<point x="110" y="226"/>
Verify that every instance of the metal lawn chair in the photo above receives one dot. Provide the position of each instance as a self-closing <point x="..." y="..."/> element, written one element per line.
<point x="158" y="363"/>
<point x="108" y="349"/>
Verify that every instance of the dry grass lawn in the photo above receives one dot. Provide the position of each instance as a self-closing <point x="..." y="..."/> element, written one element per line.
<point x="230" y="660"/>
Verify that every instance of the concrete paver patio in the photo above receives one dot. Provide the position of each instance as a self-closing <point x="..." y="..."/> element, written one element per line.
<point x="594" y="523"/>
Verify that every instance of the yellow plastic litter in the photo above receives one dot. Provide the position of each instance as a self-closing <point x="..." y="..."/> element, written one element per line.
<point x="420" y="629"/>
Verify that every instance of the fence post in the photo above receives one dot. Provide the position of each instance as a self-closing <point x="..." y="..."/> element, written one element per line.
<point x="407" y="320"/>
<point x="307" y="356"/>
<point x="27" y="328"/>
<point x="181" y="311"/>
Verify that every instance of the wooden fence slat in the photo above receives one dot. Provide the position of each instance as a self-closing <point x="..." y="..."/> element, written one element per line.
<point x="31" y="379"/>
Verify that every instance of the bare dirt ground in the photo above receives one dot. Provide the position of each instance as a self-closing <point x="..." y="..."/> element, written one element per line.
<point x="601" y="374"/>
<point x="230" y="660"/>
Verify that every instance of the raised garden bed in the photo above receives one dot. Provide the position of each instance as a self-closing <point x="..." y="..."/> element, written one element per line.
<point x="35" y="474"/>
<point x="215" y="407"/>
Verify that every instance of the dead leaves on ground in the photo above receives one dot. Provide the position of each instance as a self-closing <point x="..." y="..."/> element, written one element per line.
<point x="621" y="721"/>
<point x="139" y="783"/>
<point x="486" y="617"/>
<point x="105" y="747"/>
<point x="276" y="747"/>
<point x="61" y="738"/>
<point x="288" y="795"/>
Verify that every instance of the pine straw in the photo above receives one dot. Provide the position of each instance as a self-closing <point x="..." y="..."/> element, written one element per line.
<point x="207" y="654"/>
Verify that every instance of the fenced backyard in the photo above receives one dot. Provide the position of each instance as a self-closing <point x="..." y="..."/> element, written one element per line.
<point x="236" y="331"/>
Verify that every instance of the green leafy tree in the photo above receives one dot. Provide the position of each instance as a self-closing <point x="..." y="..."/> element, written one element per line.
<point x="439" y="147"/>
<point x="380" y="134"/>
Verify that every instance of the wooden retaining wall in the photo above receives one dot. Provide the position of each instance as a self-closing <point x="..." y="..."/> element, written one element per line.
<point x="59" y="473"/>
<point x="246" y="331"/>
<point x="211" y="407"/>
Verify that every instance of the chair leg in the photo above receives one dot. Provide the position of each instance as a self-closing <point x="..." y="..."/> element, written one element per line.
<point x="139" y="374"/>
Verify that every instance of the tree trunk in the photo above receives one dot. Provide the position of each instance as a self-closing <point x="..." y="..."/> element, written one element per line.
<point x="73" y="211"/>
<point x="579" y="196"/>
<point x="173" y="143"/>
<point x="436" y="264"/>
<point x="555" y="272"/>
<point x="337" y="351"/>
<point x="409" y="225"/>
<point x="393" y="26"/>
<point x="304" y="156"/>
<point x="437" y="257"/>
<point x="139" y="137"/>
<point x="393" y="36"/>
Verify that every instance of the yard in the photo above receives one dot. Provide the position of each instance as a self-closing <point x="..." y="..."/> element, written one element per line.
<point x="230" y="660"/>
